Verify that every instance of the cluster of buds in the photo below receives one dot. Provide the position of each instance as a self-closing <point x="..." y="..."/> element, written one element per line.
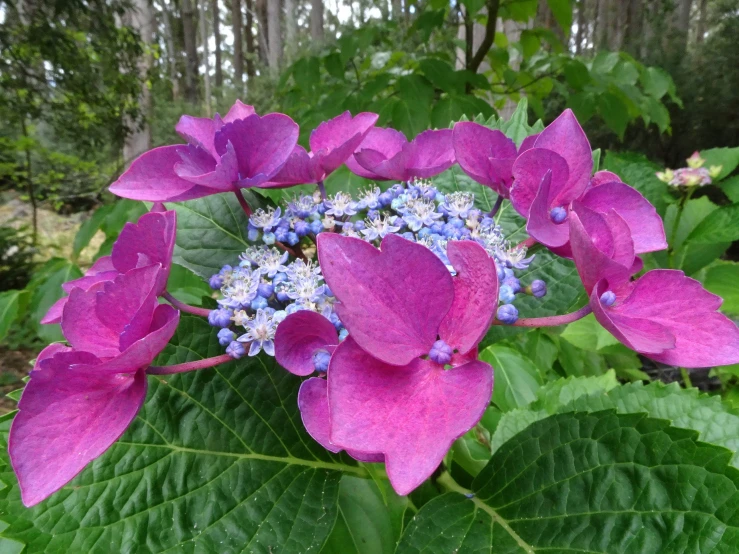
<point x="695" y="175"/>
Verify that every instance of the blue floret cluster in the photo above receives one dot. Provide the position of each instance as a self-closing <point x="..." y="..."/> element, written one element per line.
<point x="275" y="278"/>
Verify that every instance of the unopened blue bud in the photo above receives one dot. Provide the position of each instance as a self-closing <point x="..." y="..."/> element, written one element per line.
<point x="359" y="225"/>
<point x="281" y="234"/>
<point x="301" y="228"/>
<point x="430" y="194"/>
<point x="507" y="314"/>
<point x="538" y="288"/>
<point x="327" y="291"/>
<point x="265" y="290"/>
<point x="284" y="223"/>
<point x="220" y="317"/>
<point x="500" y="270"/>
<point x="279" y="278"/>
<point x="397" y="188"/>
<point x="514" y="283"/>
<point x="321" y="358"/>
<point x="269" y="238"/>
<point x="437" y="227"/>
<point x="424" y="232"/>
<point x="558" y="214"/>
<point x="408" y="235"/>
<point x="216" y="281"/>
<point x="608" y="298"/>
<point x="465" y="233"/>
<point x="456" y="222"/>
<point x="282" y="296"/>
<point x="373" y="214"/>
<point x="253" y="234"/>
<point x="333" y="318"/>
<point x="348" y="226"/>
<point x="235" y="350"/>
<point x="292" y="238"/>
<point x="441" y="352"/>
<point x="508" y="273"/>
<point x="343" y="334"/>
<point x="321" y="208"/>
<point x="259" y="303"/>
<point x="225" y="336"/>
<point x="385" y="199"/>
<point x="506" y="294"/>
<point x="316" y="226"/>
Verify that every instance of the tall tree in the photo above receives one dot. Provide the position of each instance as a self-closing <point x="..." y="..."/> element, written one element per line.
<point x="217" y="36"/>
<point x="172" y="52"/>
<point x="191" y="53"/>
<point x="274" y="37"/>
<point x="291" y="30"/>
<point x="397" y="9"/>
<point x="263" y="30"/>
<point x="316" y="21"/>
<point x="141" y="18"/>
<point x="202" y="6"/>
<point x="250" y="51"/>
<point x="238" y="47"/>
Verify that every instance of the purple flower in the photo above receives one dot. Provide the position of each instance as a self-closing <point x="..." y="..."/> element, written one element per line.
<point x="556" y="171"/>
<point x="385" y="394"/>
<point x="487" y="155"/>
<point x="80" y="400"/>
<point x="241" y="150"/>
<point x="149" y="241"/>
<point x="663" y="315"/>
<point x="386" y="154"/>
<point x="332" y="142"/>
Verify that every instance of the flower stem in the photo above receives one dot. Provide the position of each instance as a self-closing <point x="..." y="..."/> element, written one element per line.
<point x="322" y="188"/>
<point x="673" y="235"/>
<point x="528" y="243"/>
<point x="551" y="321"/>
<point x="185" y="307"/>
<point x="496" y="206"/>
<point x="686" y="378"/>
<point x="189" y="366"/>
<point x="242" y="201"/>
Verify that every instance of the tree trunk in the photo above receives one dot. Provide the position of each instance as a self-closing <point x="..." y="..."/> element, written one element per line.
<point x="217" y="35"/>
<point x="238" y="48"/>
<point x="191" y="67"/>
<point x="263" y="30"/>
<point x="580" y="26"/>
<point x="291" y="30"/>
<point x="316" y="21"/>
<point x="141" y="17"/>
<point x="700" y="29"/>
<point x="250" y="53"/>
<point x="634" y="28"/>
<point x="602" y="24"/>
<point x="206" y="55"/>
<point x="274" y="37"/>
<point x="172" y="52"/>
<point x="397" y="7"/>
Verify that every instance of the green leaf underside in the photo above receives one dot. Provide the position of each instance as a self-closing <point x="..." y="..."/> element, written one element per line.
<point x="591" y="483"/>
<point x="216" y="461"/>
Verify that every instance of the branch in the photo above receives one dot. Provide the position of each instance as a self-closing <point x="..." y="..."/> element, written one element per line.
<point x="487" y="40"/>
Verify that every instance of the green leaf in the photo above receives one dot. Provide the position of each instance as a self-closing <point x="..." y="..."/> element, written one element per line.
<point x="123" y="211"/>
<point x="10" y="302"/>
<point x="455" y="180"/>
<point x="655" y="82"/>
<point x="410" y="117"/>
<point x="596" y="483"/>
<point x="517" y="127"/>
<point x="614" y="112"/>
<point x="187" y="287"/>
<point x="211" y="232"/>
<point x="604" y="62"/>
<point x="721" y="225"/>
<point x="516" y="377"/>
<point x="442" y="75"/>
<point x="583" y="104"/>
<point x="334" y="65"/>
<point x="366" y="525"/>
<point x="731" y="188"/>
<point x="722" y="278"/>
<point x="562" y="11"/>
<point x="445" y="111"/>
<point x="577" y="74"/>
<point x="216" y="461"/>
<point x="88" y="229"/>
<point x="588" y="334"/>
<point x="727" y="158"/>
<point x="47" y="289"/>
<point x="530" y="43"/>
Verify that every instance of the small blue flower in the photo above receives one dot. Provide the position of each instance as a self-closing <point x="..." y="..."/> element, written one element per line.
<point x="558" y="214"/>
<point x="385" y="199"/>
<point x="321" y="358"/>
<point x="265" y="289"/>
<point x="216" y="281"/>
<point x="608" y="298"/>
<point x="340" y="204"/>
<point x="225" y="336"/>
<point x="265" y="219"/>
<point x="235" y="350"/>
<point x="441" y="352"/>
<point x="260" y="332"/>
<point x="316" y="226"/>
<point x="220" y="317"/>
<point x="343" y="334"/>
<point x="506" y="294"/>
<point x="281" y="234"/>
<point x="301" y="228"/>
<point x="259" y="303"/>
<point x="269" y="238"/>
<point x="538" y="288"/>
<point x="252" y="234"/>
<point x="292" y="238"/>
<point x="507" y="314"/>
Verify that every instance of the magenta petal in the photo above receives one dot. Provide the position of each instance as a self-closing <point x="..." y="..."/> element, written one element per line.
<point x="262" y="145"/>
<point x="475" y="291"/>
<point x="540" y="225"/>
<point x="104" y="263"/>
<point x="297" y="170"/>
<point x="68" y="418"/>
<point x="151" y="177"/>
<point x="336" y="140"/>
<point x="430" y="153"/>
<point x="476" y="146"/>
<point x="601" y="247"/>
<point x="528" y="143"/>
<point x="199" y="131"/>
<point x="565" y="137"/>
<point x="151" y="241"/>
<point x="412" y="414"/>
<point x="299" y="336"/>
<point x="54" y="314"/>
<point x="602" y="177"/>
<point x="703" y="337"/>
<point x="88" y="281"/>
<point x="391" y="301"/>
<point x="385" y="141"/>
<point x="200" y="168"/>
<point x="100" y="319"/>
<point x="528" y="171"/>
<point x="642" y="335"/>
<point x="647" y="230"/>
<point x="238" y="111"/>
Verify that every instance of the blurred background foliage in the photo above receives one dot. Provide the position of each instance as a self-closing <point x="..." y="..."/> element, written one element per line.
<point x="88" y="85"/>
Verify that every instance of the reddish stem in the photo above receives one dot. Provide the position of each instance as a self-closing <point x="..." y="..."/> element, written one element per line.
<point x="551" y="321"/>
<point x="189" y="366"/>
<point x="185" y="307"/>
<point x="528" y="243"/>
<point x="322" y="188"/>
<point x="242" y="201"/>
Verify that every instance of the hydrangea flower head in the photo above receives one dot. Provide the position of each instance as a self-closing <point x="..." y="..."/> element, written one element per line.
<point x="241" y="150"/>
<point x="387" y="154"/>
<point x="386" y="393"/>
